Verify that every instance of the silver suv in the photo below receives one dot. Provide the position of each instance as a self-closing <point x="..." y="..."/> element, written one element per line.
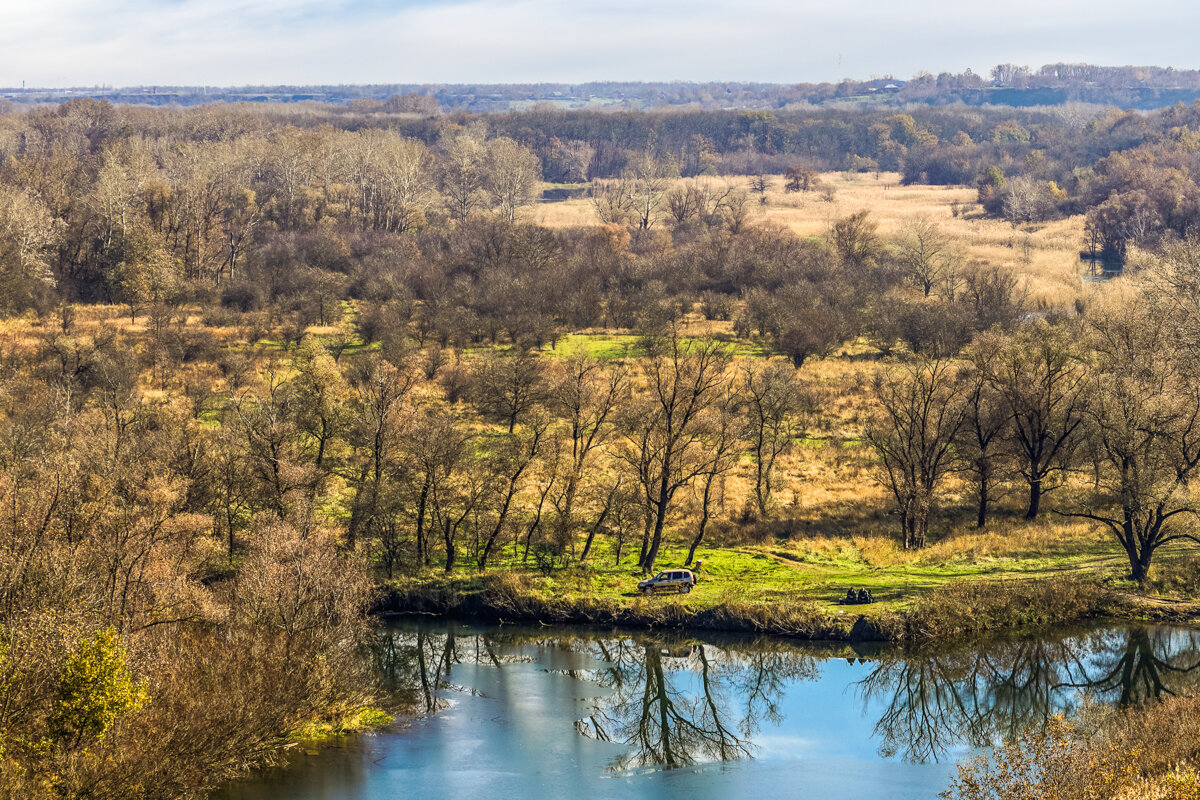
<point x="677" y="580"/>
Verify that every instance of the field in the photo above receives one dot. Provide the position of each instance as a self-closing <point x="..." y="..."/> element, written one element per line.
<point x="1046" y="254"/>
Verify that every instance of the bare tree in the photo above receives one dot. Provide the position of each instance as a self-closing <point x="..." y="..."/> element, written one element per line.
<point x="1143" y="430"/>
<point x="585" y="393"/>
<point x="800" y="179"/>
<point x="920" y="413"/>
<point x="646" y="184"/>
<point x="1176" y="289"/>
<point x="925" y="251"/>
<point x="855" y="239"/>
<point x="666" y="436"/>
<point x="727" y="429"/>
<point x="1027" y="200"/>
<point x="986" y="420"/>
<point x="436" y="447"/>
<point x="27" y="233"/>
<point x="463" y="173"/>
<point x="510" y="460"/>
<point x="374" y="435"/>
<point x="775" y="406"/>
<point x="507" y="385"/>
<point x="1039" y="372"/>
<point x="513" y="174"/>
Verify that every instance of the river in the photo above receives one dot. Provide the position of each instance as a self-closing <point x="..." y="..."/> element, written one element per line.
<point x="554" y="712"/>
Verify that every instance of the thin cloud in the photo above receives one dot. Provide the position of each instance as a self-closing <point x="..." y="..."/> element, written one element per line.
<point x="223" y="42"/>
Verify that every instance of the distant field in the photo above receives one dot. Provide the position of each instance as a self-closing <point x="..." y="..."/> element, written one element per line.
<point x="1046" y="254"/>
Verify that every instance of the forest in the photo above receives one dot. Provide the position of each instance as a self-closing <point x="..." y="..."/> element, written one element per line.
<point x="261" y="367"/>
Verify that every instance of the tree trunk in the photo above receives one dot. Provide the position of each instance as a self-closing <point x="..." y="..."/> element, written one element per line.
<point x="646" y="526"/>
<point x="587" y="545"/>
<point x="762" y="482"/>
<point x="422" y="550"/>
<point x="448" y="536"/>
<point x="1139" y="567"/>
<point x="660" y="521"/>
<point x="1139" y="553"/>
<point x="357" y="510"/>
<point x="1035" y="498"/>
<point x="704" y="516"/>
<point x="500" y="520"/>
<point x="981" y="518"/>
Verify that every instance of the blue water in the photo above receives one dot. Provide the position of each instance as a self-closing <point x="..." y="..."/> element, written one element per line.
<point x="551" y="713"/>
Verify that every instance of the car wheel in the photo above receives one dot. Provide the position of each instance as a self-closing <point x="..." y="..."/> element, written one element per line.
<point x="649" y="590"/>
<point x="686" y="588"/>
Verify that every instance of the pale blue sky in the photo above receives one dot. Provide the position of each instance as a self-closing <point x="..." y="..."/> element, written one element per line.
<point x="228" y="42"/>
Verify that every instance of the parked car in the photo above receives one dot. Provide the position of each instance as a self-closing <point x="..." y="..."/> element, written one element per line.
<point x="675" y="580"/>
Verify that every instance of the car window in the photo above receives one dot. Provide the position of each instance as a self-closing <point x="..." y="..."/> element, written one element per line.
<point x="676" y="576"/>
<point x="662" y="576"/>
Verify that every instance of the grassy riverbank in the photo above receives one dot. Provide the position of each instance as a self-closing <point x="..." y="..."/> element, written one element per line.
<point x="976" y="583"/>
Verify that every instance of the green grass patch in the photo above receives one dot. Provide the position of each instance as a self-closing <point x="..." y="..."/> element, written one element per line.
<point x="597" y="345"/>
<point x="363" y="719"/>
<point x="780" y="573"/>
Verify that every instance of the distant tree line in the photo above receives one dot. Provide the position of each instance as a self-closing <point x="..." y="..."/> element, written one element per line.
<point x="1145" y="87"/>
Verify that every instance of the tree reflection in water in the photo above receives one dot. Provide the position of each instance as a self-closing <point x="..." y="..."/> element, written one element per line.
<point x="989" y="692"/>
<point x="412" y="666"/>
<point x="674" y="702"/>
<point x="678" y="705"/>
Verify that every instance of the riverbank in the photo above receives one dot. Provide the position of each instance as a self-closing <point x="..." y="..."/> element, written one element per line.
<point x="945" y="612"/>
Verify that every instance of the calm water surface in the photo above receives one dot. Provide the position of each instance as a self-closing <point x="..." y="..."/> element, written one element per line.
<point x="540" y="713"/>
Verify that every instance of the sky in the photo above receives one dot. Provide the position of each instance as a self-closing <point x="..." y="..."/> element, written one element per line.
<point x="49" y="43"/>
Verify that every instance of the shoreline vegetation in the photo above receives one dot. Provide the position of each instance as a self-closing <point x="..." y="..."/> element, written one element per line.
<point x="943" y="614"/>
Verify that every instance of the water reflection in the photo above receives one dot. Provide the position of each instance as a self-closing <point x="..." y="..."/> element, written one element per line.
<point x="676" y="701"/>
<point x="413" y="665"/>
<point x="675" y="706"/>
<point x="1154" y="662"/>
<point x="986" y="694"/>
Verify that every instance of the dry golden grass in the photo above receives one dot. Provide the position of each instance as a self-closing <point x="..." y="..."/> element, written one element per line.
<point x="1045" y="255"/>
